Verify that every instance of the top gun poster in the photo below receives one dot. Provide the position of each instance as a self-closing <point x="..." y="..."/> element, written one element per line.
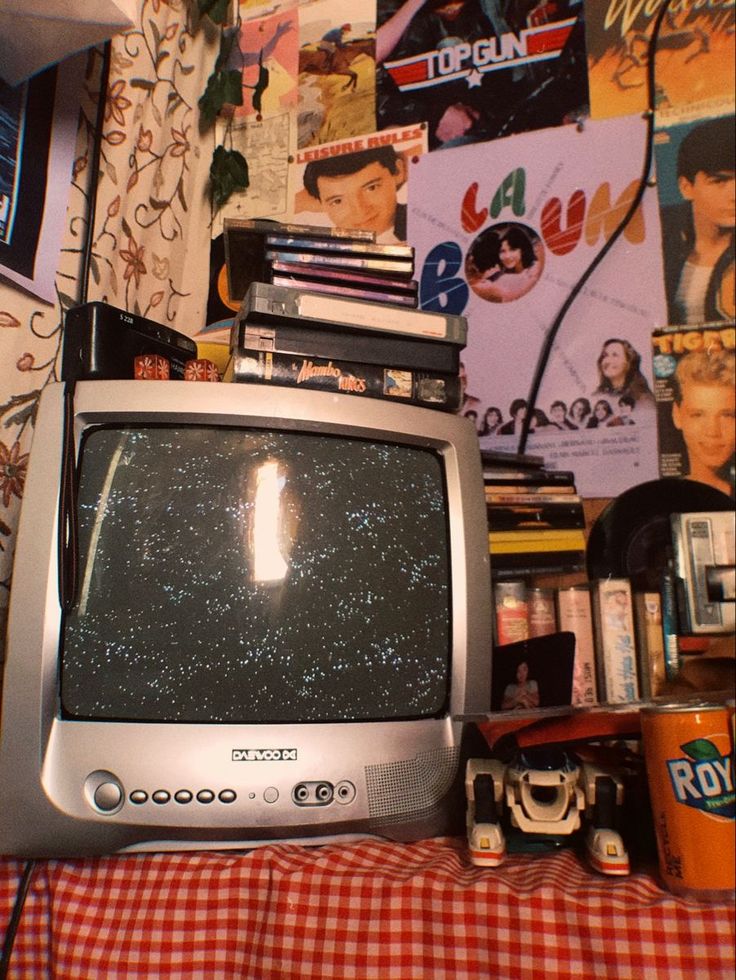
<point x="517" y="224"/>
<point x="694" y="59"/>
<point x="476" y="70"/>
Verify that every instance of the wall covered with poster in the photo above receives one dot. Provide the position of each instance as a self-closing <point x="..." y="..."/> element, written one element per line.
<point x="503" y="139"/>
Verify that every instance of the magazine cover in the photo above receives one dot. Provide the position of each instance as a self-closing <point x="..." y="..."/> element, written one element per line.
<point x="694" y="59"/>
<point x="696" y="403"/>
<point x="696" y="166"/>
<point x="337" y="71"/>
<point x="358" y="183"/>
<point x="475" y="70"/>
<point x="504" y="245"/>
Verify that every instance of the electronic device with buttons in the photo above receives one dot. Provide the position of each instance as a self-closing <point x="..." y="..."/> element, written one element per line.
<point x="281" y="622"/>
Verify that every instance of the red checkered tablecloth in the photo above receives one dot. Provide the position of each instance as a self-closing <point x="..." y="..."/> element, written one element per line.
<point x="361" y="909"/>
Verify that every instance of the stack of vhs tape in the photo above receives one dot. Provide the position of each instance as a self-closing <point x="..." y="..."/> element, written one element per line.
<point x="349" y="264"/>
<point x="536" y="521"/>
<point x="284" y="335"/>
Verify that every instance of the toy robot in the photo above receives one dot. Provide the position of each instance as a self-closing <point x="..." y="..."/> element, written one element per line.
<point x="544" y="792"/>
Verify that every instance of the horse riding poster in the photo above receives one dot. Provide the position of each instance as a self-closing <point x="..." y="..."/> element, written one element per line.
<point x="337" y="70"/>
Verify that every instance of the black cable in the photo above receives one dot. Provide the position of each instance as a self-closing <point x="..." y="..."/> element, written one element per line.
<point x="95" y="173"/>
<point x="11" y="931"/>
<point x="67" y="541"/>
<point x="636" y="201"/>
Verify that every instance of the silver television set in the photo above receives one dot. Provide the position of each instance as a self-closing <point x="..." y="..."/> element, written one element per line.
<point x="282" y="614"/>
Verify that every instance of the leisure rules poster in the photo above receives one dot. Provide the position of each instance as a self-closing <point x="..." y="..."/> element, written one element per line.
<point x="476" y="70"/>
<point x="694" y="59"/>
<point x="504" y="244"/>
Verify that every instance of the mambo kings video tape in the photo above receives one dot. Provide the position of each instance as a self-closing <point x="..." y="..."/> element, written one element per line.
<point x="102" y="342"/>
<point x="269" y="304"/>
<point x="245" y="247"/>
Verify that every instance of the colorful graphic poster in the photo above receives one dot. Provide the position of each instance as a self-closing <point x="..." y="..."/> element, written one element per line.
<point x="696" y="400"/>
<point x="476" y="70"/>
<point x="269" y="56"/>
<point x="337" y="71"/>
<point x="696" y="184"/>
<point x="359" y="183"/>
<point x="694" y="63"/>
<point x="516" y="225"/>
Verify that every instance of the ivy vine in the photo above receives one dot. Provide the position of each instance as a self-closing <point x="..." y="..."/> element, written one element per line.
<point x="224" y="91"/>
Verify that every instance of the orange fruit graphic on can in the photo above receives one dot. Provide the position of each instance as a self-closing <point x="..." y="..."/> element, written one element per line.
<point x="690" y="772"/>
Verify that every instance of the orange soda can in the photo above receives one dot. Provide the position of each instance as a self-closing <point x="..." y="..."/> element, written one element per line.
<point x="689" y="762"/>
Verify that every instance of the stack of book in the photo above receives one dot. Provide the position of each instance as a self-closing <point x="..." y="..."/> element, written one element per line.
<point x="289" y="336"/>
<point x="348" y="264"/>
<point x="536" y="521"/>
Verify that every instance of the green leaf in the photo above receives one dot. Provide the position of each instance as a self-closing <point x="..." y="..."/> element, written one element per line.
<point x="216" y="10"/>
<point x="222" y="87"/>
<point x="233" y="87"/>
<point x="701" y="749"/>
<point x="228" y="173"/>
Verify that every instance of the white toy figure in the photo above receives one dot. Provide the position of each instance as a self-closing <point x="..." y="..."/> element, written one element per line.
<point x="547" y="792"/>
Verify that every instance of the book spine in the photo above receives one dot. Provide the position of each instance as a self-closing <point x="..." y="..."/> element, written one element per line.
<point x="430" y="389"/>
<point x="613" y="620"/>
<point x="649" y="643"/>
<point x="511" y="612"/>
<point x="574" y="614"/>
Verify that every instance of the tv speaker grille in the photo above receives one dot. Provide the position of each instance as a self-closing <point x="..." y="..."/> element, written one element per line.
<point x="412" y="785"/>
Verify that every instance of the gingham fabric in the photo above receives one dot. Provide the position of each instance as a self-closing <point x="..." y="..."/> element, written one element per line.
<point x="357" y="910"/>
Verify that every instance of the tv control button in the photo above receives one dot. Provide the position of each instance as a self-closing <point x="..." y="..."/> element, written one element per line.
<point x="271" y="794"/>
<point x="161" y="796"/>
<point x="227" y="796"/>
<point x="108" y="796"/>
<point x="205" y="796"/>
<point x="183" y="796"/>
<point x="138" y="796"/>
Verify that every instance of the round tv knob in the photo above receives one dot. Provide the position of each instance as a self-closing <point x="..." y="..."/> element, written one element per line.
<point x="108" y="796"/>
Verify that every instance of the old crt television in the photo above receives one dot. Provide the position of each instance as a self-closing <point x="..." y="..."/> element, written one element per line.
<point x="282" y="615"/>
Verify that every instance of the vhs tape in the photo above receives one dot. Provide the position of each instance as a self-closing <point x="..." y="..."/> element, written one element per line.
<point x="430" y="389"/>
<point x="305" y="340"/>
<point x="101" y="342"/>
<point x="271" y="304"/>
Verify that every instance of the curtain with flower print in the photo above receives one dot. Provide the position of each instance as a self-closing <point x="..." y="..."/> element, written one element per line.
<point x="150" y="242"/>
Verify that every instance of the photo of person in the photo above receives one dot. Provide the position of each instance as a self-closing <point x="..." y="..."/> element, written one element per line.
<point x="619" y="372"/>
<point x="518" y="412"/>
<point x="704" y="411"/>
<point x="626" y="405"/>
<point x="492" y="420"/>
<point x="580" y="412"/>
<point x="558" y="416"/>
<point x="469" y="402"/>
<point x="523" y="693"/>
<point x="602" y="412"/>
<point x="363" y="189"/>
<point x="504" y="262"/>
<point x="360" y="191"/>
<point x="696" y="168"/>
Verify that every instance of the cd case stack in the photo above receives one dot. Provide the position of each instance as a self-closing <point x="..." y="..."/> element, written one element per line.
<point x="536" y="521"/>
<point x="299" y="336"/>
<point x="338" y="263"/>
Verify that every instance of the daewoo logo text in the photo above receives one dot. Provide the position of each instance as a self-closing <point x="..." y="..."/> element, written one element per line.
<point x="264" y="755"/>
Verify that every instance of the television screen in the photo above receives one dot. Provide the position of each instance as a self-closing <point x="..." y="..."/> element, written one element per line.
<point x="257" y="576"/>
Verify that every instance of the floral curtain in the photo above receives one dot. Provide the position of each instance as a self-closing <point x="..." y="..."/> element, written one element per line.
<point x="151" y="235"/>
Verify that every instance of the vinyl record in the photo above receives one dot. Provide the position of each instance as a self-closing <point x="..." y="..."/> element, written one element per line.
<point x="632" y="537"/>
